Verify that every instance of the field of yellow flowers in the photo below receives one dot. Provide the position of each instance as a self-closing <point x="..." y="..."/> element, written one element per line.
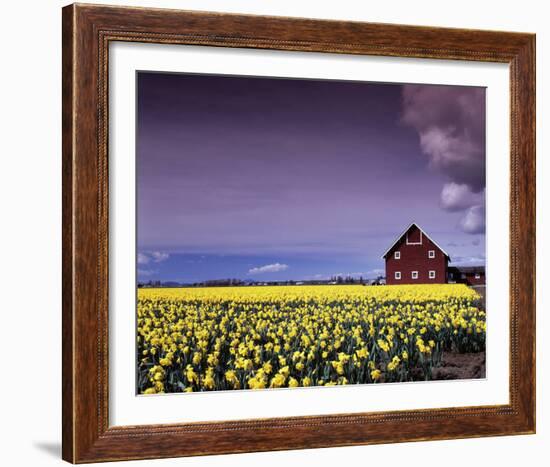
<point x="204" y="339"/>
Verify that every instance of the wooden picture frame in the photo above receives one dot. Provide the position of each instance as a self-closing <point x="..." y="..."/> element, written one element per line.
<point x="87" y="32"/>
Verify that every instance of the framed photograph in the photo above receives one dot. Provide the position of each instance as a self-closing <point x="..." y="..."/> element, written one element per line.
<point x="289" y="233"/>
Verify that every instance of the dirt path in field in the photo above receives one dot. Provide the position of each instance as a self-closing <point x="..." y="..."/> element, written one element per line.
<point x="460" y="366"/>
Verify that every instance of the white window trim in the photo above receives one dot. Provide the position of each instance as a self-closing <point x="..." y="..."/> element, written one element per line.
<point x="414" y="275"/>
<point x="414" y="243"/>
<point x="397" y="275"/>
<point x="431" y="274"/>
<point x="431" y="254"/>
<point x="397" y="255"/>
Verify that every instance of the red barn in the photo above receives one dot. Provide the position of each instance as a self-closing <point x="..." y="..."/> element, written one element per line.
<point x="469" y="275"/>
<point x="414" y="258"/>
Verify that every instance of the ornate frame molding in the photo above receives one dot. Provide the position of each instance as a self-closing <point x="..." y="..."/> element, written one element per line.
<point x="87" y="32"/>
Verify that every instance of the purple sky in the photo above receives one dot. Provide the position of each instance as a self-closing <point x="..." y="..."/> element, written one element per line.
<point x="267" y="178"/>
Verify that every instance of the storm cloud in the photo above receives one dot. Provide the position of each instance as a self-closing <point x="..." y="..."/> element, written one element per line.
<point x="450" y="122"/>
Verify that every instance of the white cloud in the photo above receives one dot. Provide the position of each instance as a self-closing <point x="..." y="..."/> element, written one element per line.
<point x="154" y="256"/>
<point x="459" y="196"/>
<point x="159" y="256"/>
<point x="473" y="221"/>
<point x="142" y="258"/>
<point x="146" y="272"/>
<point x="468" y="260"/>
<point x="275" y="267"/>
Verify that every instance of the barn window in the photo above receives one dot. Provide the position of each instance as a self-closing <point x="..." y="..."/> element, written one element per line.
<point x="398" y="275"/>
<point x="478" y="276"/>
<point x="431" y="254"/>
<point x="414" y="274"/>
<point x="397" y="255"/>
<point x="431" y="274"/>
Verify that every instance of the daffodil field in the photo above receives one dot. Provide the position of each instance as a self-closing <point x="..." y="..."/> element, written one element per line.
<point x="204" y="339"/>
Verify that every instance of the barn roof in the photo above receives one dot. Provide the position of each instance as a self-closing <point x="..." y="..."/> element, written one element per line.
<point x="423" y="233"/>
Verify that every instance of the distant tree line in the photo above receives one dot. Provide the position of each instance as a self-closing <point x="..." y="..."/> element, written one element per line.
<point x="347" y="280"/>
<point x="341" y="280"/>
<point x="219" y="283"/>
